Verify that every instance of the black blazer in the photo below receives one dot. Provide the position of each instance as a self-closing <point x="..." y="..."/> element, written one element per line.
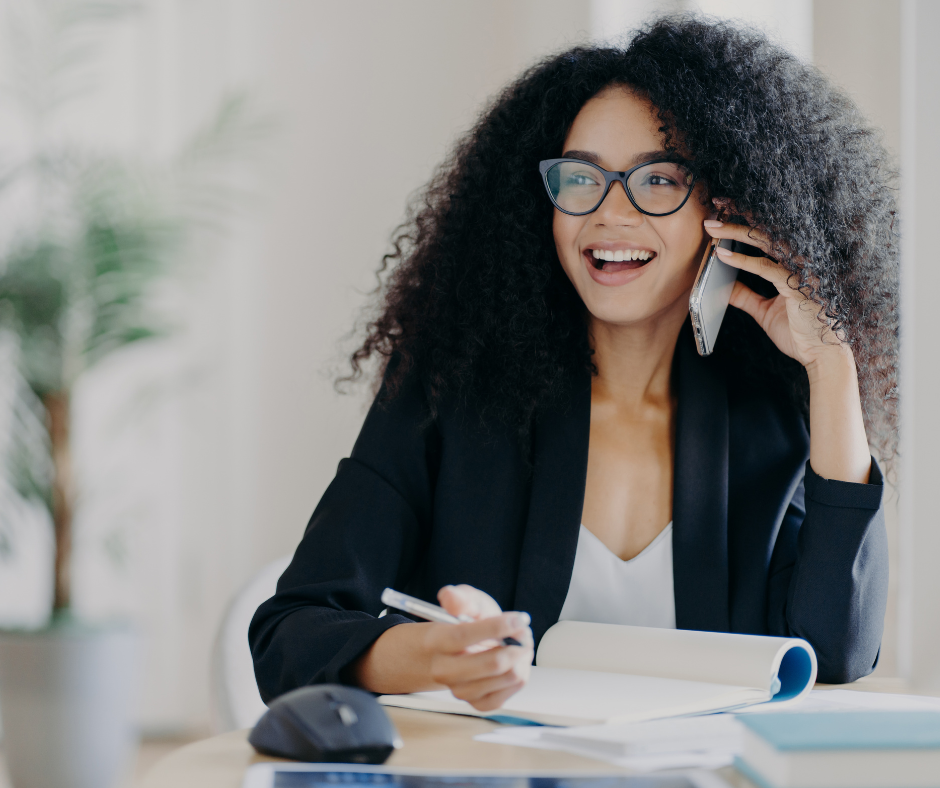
<point x="761" y="544"/>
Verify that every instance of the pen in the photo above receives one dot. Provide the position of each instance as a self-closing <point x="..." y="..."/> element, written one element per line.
<point x="427" y="611"/>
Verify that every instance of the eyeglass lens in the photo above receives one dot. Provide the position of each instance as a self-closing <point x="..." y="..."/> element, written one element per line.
<point x="658" y="187"/>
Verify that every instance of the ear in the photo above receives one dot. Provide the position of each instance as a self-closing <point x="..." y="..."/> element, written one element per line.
<point x="723" y="208"/>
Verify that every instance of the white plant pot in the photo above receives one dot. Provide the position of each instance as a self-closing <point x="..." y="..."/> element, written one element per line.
<point x="67" y="699"/>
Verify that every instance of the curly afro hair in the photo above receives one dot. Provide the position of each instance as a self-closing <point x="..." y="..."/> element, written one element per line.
<point x="479" y="305"/>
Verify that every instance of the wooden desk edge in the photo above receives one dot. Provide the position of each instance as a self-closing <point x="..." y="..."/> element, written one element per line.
<point x="431" y="741"/>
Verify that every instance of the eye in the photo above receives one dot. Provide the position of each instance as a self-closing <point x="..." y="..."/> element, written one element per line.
<point x="654" y="179"/>
<point x="583" y="178"/>
<point x="661" y="176"/>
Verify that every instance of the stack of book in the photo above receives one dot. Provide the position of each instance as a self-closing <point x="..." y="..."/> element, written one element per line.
<point x="876" y="749"/>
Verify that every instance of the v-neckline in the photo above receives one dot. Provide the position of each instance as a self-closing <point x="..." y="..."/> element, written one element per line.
<point x="625" y="561"/>
<point x="560" y="438"/>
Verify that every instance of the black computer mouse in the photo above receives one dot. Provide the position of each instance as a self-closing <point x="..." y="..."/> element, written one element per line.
<point x="326" y="723"/>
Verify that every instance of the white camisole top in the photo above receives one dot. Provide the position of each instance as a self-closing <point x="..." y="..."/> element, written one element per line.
<point x="605" y="589"/>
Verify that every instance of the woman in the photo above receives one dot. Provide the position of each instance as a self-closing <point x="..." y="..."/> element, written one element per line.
<point x="546" y="438"/>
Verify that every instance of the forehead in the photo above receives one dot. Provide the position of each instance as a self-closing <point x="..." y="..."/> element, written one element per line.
<point x="616" y="124"/>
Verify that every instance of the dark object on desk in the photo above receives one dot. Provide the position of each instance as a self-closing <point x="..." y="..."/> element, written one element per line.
<point x="328" y="723"/>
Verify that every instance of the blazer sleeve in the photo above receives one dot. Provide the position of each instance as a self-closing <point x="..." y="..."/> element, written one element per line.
<point x="828" y="581"/>
<point x="366" y="534"/>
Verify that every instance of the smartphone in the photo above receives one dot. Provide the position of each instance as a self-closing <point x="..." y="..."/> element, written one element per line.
<point x="710" y="296"/>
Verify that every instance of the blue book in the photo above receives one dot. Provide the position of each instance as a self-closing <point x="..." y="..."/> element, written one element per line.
<point x="871" y="749"/>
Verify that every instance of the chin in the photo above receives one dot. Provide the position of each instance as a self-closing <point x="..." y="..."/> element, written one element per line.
<point x="637" y="308"/>
<point x="621" y="314"/>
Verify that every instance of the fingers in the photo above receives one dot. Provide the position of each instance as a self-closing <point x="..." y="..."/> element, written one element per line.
<point x="457" y="638"/>
<point x="490" y="694"/>
<point x="482" y="689"/>
<point x="764" y="267"/>
<point x="466" y="601"/>
<point x="463" y="669"/>
<point x="748" y="301"/>
<point x="469" y="658"/>
<point x="497" y="699"/>
<point x="740" y="232"/>
<point x="485" y="679"/>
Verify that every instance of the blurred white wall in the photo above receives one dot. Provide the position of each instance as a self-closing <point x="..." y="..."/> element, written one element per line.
<point x="919" y="581"/>
<point x="790" y="22"/>
<point x="612" y="20"/>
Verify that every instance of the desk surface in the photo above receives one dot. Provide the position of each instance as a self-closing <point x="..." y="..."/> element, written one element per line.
<point x="431" y="740"/>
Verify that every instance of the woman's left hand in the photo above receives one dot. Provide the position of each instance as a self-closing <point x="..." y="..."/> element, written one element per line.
<point x="790" y="319"/>
<point x="838" y="444"/>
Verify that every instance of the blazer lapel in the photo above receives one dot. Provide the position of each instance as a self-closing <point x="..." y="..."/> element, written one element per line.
<point x="700" y="493"/>
<point x="700" y="500"/>
<point x="559" y="471"/>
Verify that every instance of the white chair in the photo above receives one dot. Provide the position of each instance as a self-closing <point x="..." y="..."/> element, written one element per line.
<point x="234" y="695"/>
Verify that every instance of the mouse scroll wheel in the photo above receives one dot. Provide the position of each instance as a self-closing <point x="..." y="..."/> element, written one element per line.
<point x="347" y="714"/>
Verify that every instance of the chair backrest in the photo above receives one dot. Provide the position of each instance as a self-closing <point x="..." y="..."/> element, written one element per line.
<point x="235" y="700"/>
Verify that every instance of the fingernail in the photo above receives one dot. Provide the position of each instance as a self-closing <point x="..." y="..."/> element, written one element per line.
<point x="713" y="223"/>
<point x="722" y="252"/>
<point x="520" y="620"/>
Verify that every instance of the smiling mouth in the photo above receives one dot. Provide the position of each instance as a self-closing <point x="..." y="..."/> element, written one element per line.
<point x="621" y="260"/>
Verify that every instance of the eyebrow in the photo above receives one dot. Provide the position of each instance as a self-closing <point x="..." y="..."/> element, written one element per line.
<point x="639" y="158"/>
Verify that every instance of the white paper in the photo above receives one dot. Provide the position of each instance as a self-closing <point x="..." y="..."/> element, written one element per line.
<point x="707" y="741"/>
<point x="571" y="697"/>
<point x="718" y="657"/>
<point x="708" y="733"/>
<point x="596" y="673"/>
<point x="531" y="737"/>
<point x="851" y="700"/>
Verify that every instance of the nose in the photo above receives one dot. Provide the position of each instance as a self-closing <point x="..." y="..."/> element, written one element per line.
<point x="616" y="208"/>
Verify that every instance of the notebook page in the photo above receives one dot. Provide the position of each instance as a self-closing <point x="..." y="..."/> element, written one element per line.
<point x="557" y="696"/>
<point x="715" y="657"/>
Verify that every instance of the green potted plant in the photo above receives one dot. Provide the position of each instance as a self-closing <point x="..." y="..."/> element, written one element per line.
<point x="91" y="234"/>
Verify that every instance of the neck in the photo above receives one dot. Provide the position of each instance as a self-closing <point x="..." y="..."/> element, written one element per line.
<point x="634" y="361"/>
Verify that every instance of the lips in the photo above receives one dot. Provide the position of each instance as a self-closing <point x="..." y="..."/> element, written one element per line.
<point x="629" y="259"/>
<point x="613" y="272"/>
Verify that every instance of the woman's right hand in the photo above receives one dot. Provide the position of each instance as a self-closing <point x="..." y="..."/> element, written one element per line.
<point x="470" y="658"/>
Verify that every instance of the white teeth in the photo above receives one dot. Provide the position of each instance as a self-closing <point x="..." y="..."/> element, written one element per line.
<point x="621" y="255"/>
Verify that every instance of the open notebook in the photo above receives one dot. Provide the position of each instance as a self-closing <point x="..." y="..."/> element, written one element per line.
<point x="594" y="673"/>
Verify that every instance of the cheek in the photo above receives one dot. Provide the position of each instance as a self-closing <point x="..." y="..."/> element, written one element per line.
<point x="686" y="242"/>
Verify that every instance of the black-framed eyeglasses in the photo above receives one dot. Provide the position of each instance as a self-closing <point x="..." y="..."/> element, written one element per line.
<point x="656" y="188"/>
